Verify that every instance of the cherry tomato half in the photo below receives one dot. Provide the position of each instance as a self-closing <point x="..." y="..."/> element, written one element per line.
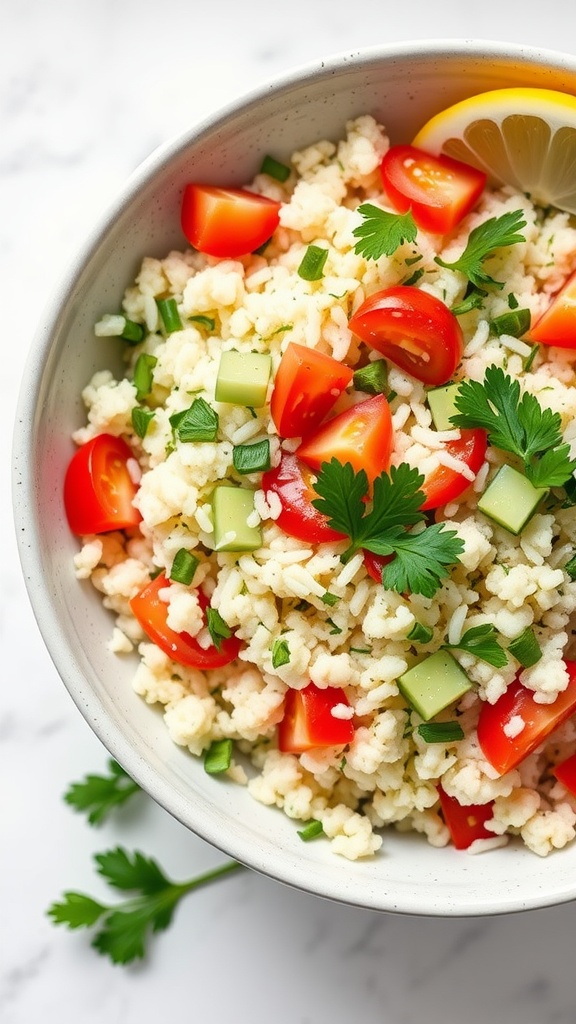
<point x="374" y="564"/>
<point x="308" y="722"/>
<point x="98" y="489"/>
<point x="445" y="484"/>
<point x="557" y="325"/>
<point x="306" y="387"/>
<point x="412" y="329"/>
<point x="152" y="614"/>
<point x="293" y="482"/>
<point x="438" y="190"/>
<point x="465" y="823"/>
<point x="227" y="222"/>
<point x="361" y="435"/>
<point x="506" y="752"/>
<point x="565" y="772"/>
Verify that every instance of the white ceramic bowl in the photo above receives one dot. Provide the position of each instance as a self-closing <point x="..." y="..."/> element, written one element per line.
<point x="403" y="85"/>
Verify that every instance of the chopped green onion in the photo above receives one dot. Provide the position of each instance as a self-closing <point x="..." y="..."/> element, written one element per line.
<point x="415" y="277"/>
<point x="335" y="629"/>
<point x="512" y="301"/>
<point x="132" y="331"/>
<point x="570" y="568"/>
<point x="312" y="265"/>
<point x="197" y="423"/>
<point x="218" y="629"/>
<point x="372" y="378"/>
<point x="420" y="634"/>
<point x="441" y="732"/>
<point x="141" y="420"/>
<point x="360" y="650"/>
<point x="515" y="323"/>
<point x="184" y="566"/>
<point x="205" y="321"/>
<point x="525" y="648"/>
<point x="274" y="169"/>
<point x="143" y="375"/>
<point x="531" y="358"/>
<point x="473" y="300"/>
<point x="280" y="653"/>
<point x="412" y="260"/>
<point x="170" y="316"/>
<point x="311" y="830"/>
<point x="252" y="458"/>
<point x="218" y="757"/>
<point x="330" y="599"/>
<point x="391" y="396"/>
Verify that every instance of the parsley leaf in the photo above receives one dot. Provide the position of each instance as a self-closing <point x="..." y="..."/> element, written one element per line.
<point x="481" y="642"/>
<point x="421" y="559"/>
<point x="483" y="241"/>
<point x="100" y="794"/>
<point x="516" y="424"/>
<point x="197" y="423"/>
<point x="381" y="233"/>
<point x="218" y="629"/>
<point x="125" y="927"/>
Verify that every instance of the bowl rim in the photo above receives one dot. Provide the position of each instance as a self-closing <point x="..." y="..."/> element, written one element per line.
<point x="28" y="532"/>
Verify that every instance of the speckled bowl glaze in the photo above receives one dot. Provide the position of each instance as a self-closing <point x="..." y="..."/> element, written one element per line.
<point x="403" y="85"/>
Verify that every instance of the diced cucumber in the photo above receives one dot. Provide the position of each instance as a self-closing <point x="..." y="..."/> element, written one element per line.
<point x="511" y="500"/>
<point x="231" y="508"/>
<point x="441" y="402"/>
<point x="243" y="378"/>
<point x="433" y="684"/>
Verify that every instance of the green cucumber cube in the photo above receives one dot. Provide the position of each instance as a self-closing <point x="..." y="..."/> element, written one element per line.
<point x="243" y="378"/>
<point x="433" y="684"/>
<point x="511" y="500"/>
<point x="231" y="508"/>
<point x="441" y="402"/>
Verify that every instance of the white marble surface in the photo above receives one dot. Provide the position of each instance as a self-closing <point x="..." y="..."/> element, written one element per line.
<point x="88" y="89"/>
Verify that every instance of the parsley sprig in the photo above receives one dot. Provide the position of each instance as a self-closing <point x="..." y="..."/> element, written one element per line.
<point x="483" y="241"/>
<point x="517" y="424"/>
<point x="98" y="795"/>
<point x="381" y="232"/>
<point x="125" y="926"/>
<point x="421" y="559"/>
<point x="482" y="643"/>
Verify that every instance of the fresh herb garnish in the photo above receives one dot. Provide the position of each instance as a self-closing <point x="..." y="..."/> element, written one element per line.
<point x="481" y="642"/>
<point x="483" y="242"/>
<point x="218" y="629"/>
<point x="280" y="653"/>
<point x="252" y="458"/>
<point x="311" y="830"/>
<point x="473" y="299"/>
<point x="440" y="732"/>
<point x="420" y="634"/>
<point x="329" y="599"/>
<point x="516" y="424"/>
<point x="218" y="757"/>
<point x="570" y="567"/>
<point x="274" y="169"/>
<point x="530" y="359"/>
<point x="170" y="316"/>
<point x="421" y="559"/>
<point x="141" y="419"/>
<point x="126" y="926"/>
<point x="414" y="277"/>
<point x="515" y="323"/>
<point x="526" y="648"/>
<point x="197" y="423"/>
<point x="205" y="321"/>
<point x="381" y="233"/>
<point x="184" y="566"/>
<point x="143" y="374"/>
<point x="132" y="332"/>
<point x="100" y="794"/>
<point x="372" y="378"/>
<point x="312" y="266"/>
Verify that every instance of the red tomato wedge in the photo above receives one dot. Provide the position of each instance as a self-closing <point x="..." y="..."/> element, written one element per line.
<point x="361" y="435"/>
<point x="306" y="386"/>
<point x="227" y="222"/>
<point x="374" y="564"/>
<point x="445" y="484"/>
<point x="412" y="329"/>
<point x="565" y="772"/>
<point x="439" y="190"/>
<point x="465" y="823"/>
<point x="98" y="489"/>
<point x="557" y="326"/>
<point x="152" y="614"/>
<point x="293" y="482"/>
<point x="308" y="722"/>
<point x="506" y="752"/>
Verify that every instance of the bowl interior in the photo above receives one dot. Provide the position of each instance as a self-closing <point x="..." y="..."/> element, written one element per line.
<point x="402" y="86"/>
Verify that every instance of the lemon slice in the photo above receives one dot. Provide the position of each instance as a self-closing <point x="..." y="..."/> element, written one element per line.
<point x="522" y="137"/>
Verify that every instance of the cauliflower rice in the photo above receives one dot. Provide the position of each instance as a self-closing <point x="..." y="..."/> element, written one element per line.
<point x="388" y="775"/>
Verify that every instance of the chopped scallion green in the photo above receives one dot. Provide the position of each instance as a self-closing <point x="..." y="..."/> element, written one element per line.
<point x="420" y="634"/>
<point x="312" y="265"/>
<point x="132" y="332"/>
<point x="252" y="458"/>
<point x="531" y="358"/>
<point x="218" y="757"/>
<point x="525" y="648"/>
<point x="274" y="169"/>
<point x="169" y="313"/>
<point x="515" y="323"/>
<point x="184" y="566"/>
<point x="141" y="419"/>
<point x="441" y="732"/>
<point x="280" y="653"/>
<point x="143" y="374"/>
<point x="197" y="423"/>
<point x="330" y="599"/>
<point x="473" y="300"/>
<point x="414" y="277"/>
<point x="311" y="830"/>
<point x="218" y="629"/>
<point x="205" y="321"/>
<point x="372" y="378"/>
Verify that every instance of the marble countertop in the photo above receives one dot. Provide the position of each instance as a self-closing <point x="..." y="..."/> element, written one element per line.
<point x="88" y="90"/>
